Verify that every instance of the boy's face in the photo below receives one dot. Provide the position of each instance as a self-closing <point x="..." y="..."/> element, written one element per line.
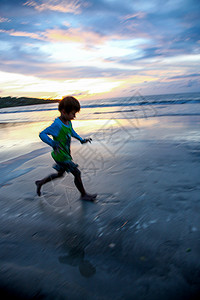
<point x="69" y="116"/>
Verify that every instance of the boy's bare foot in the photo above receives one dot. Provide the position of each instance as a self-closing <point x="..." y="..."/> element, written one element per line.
<point x="39" y="185"/>
<point x="89" y="197"/>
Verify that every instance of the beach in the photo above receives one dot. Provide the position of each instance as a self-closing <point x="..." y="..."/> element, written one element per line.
<point x="139" y="240"/>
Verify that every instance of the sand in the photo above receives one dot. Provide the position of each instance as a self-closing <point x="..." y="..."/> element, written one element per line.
<point x="139" y="240"/>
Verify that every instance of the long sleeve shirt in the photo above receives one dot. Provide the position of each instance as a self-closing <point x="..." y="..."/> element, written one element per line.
<point x="61" y="141"/>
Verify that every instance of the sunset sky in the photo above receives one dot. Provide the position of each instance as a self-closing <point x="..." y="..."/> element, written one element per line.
<point x="99" y="48"/>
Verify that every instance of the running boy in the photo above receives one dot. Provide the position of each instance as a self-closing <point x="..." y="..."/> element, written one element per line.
<point x="61" y="130"/>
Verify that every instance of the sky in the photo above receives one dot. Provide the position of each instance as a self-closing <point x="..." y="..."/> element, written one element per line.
<point x="99" y="48"/>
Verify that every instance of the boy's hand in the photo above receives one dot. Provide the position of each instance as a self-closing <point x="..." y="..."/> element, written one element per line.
<point x="86" y="141"/>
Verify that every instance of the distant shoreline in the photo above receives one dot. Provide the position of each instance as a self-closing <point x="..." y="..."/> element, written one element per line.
<point x="22" y="101"/>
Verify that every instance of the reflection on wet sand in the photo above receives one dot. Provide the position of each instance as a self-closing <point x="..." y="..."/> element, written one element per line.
<point x="74" y="245"/>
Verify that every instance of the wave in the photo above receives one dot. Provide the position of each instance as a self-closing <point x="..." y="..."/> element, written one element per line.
<point x="2" y="111"/>
<point x="125" y="103"/>
<point x="162" y="102"/>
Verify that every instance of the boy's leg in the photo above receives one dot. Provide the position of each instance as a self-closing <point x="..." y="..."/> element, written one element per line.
<point x="39" y="183"/>
<point x="79" y="184"/>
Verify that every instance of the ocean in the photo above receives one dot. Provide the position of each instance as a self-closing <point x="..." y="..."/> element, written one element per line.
<point x="20" y="126"/>
<point x="114" y="108"/>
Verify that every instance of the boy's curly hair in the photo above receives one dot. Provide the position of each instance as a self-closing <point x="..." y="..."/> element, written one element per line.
<point x="69" y="104"/>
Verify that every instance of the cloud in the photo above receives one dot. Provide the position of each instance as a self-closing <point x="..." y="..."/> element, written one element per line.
<point x="185" y="76"/>
<point x="74" y="35"/>
<point x="59" y="61"/>
<point x="31" y="35"/>
<point x="3" y="20"/>
<point x="31" y="84"/>
<point x="70" y="6"/>
<point x="193" y="83"/>
<point x="114" y="39"/>
<point x="134" y="16"/>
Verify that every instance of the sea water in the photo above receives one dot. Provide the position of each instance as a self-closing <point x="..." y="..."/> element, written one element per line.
<point x="19" y="126"/>
<point x="122" y="108"/>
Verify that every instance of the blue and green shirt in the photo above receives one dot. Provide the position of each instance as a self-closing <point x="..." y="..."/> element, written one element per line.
<point x="61" y="141"/>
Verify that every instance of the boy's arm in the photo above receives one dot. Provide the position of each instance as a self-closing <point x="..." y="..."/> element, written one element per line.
<point x="76" y="136"/>
<point x="44" y="135"/>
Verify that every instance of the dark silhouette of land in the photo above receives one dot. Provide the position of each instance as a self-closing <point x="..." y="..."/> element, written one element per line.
<point x="21" y="101"/>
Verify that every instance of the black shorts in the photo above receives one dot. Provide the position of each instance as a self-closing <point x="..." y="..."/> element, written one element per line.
<point x="67" y="166"/>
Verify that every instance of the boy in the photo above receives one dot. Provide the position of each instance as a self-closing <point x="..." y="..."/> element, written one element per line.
<point x="61" y="130"/>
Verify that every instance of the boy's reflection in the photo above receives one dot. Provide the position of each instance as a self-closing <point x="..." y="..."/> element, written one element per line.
<point x="74" y="244"/>
<point x="75" y="258"/>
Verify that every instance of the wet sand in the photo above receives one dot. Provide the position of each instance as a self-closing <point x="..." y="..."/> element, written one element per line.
<point x="139" y="240"/>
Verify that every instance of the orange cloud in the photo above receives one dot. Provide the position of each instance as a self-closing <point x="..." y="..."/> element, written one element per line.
<point x="23" y="34"/>
<point x="70" y="6"/>
<point x="74" y="35"/>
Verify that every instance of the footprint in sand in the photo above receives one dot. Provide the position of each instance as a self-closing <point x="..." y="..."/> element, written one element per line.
<point x="108" y="198"/>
